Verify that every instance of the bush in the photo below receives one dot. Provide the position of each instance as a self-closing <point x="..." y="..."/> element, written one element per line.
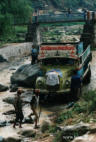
<point x="90" y="99"/>
<point x="64" y="116"/>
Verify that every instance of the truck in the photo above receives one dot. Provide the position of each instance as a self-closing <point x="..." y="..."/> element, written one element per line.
<point x="57" y="64"/>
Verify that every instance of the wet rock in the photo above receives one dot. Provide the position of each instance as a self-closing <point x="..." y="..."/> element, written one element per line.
<point x="1" y="139"/>
<point x="9" y="100"/>
<point x="4" y="123"/>
<point x="28" y="121"/>
<point x="25" y="75"/>
<point x="9" y="112"/>
<point x="86" y="138"/>
<point x="12" y="68"/>
<point x="28" y="133"/>
<point x="13" y="88"/>
<point x="80" y="128"/>
<point x="12" y="139"/>
<point x="68" y="133"/>
<point x="3" y="88"/>
<point x="3" y="59"/>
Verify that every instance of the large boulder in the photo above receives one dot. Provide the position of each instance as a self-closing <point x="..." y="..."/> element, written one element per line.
<point x="26" y="75"/>
<point x="3" y="88"/>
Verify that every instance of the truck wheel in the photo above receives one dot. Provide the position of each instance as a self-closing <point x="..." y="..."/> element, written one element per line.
<point x="88" y="76"/>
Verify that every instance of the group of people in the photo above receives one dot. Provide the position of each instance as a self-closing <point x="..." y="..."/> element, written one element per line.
<point x="18" y="107"/>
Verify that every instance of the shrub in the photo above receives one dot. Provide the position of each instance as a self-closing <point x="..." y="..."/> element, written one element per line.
<point x="90" y="99"/>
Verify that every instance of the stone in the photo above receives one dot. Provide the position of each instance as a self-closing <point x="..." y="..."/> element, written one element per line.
<point x="45" y="126"/>
<point x="12" y="139"/>
<point x="9" y="100"/>
<point x="28" y="133"/>
<point x="3" y="59"/>
<point x="26" y="75"/>
<point x="9" y="112"/>
<point x="3" y="88"/>
<point x="1" y="139"/>
<point x="13" y="88"/>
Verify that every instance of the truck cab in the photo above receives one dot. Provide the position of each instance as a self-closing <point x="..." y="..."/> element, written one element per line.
<point x="57" y="64"/>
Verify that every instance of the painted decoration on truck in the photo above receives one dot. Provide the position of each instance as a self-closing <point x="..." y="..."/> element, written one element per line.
<point x="80" y="72"/>
<point x="57" y="50"/>
<point x="80" y="48"/>
<point x="85" y="54"/>
<point x="52" y="78"/>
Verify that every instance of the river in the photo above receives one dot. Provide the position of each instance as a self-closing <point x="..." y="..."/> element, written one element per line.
<point x="6" y="70"/>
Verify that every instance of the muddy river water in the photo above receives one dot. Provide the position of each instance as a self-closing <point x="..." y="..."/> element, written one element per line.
<point x="5" y="73"/>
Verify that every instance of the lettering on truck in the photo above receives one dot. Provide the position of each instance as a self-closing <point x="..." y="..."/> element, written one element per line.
<point x="52" y="51"/>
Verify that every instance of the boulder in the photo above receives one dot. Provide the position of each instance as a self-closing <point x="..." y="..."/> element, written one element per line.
<point x="12" y="139"/>
<point x="28" y="133"/>
<point x="13" y="88"/>
<point x="9" y="100"/>
<point x="3" y="88"/>
<point x="3" y="59"/>
<point x="26" y="75"/>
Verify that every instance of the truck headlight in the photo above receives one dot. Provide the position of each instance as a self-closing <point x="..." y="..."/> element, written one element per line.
<point x="40" y="82"/>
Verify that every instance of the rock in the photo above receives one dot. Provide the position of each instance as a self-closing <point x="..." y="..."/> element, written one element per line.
<point x="13" y="88"/>
<point x="3" y="59"/>
<point x="1" y="139"/>
<point x="12" y="68"/>
<point x="9" y="112"/>
<point x="3" y="88"/>
<point x="28" y="133"/>
<point x="28" y="121"/>
<point x="11" y="139"/>
<point x="9" y="100"/>
<point x="45" y="126"/>
<point x="25" y="75"/>
<point x="68" y="133"/>
<point x="3" y="123"/>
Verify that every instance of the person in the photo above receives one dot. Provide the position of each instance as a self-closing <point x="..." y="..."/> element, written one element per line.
<point x="33" y="105"/>
<point x="34" y="54"/>
<point x="76" y="83"/>
<point x="85" y="13"/>
<point x="69" y="12"/>
<point x="18" y="108"/>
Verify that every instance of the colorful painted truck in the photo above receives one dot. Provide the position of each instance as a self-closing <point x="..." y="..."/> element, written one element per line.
<point x="58" y="61"/>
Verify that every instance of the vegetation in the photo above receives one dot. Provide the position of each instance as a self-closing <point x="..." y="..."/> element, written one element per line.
<point x="75" y="3"/>
<point x="12" y="12"/>
<point x="85" y="107"/>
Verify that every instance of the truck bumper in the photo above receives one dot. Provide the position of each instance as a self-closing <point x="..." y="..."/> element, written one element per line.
<point x="46" y="92"/>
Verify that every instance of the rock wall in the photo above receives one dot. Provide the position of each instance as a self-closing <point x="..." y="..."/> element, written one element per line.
<point x="16" y="50"/>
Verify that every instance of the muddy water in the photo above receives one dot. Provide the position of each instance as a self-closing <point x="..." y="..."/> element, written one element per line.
<point x="46" y="112"/>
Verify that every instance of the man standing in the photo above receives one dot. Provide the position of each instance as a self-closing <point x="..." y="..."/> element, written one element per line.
<point x="76" y="83"/>
<point x="34" y="54"/>
<point x="18" y="108"/>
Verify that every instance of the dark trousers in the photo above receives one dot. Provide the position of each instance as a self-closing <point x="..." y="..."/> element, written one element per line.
<point x="34" y="59"/>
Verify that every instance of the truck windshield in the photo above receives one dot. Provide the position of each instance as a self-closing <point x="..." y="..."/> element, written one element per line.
<point x="58" y="61"/>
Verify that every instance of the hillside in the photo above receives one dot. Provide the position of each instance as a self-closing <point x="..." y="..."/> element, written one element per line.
<point x="63" y="4"/>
